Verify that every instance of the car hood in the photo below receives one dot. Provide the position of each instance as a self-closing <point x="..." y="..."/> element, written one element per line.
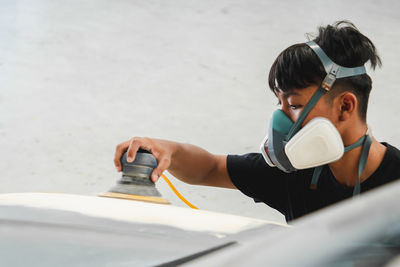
<point x="47" y="229"/>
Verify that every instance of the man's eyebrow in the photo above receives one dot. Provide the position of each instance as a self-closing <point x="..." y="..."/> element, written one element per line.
<point x="290" y="93"/>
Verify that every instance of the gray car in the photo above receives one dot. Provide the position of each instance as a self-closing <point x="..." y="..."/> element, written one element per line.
<point x="66" y="230"/>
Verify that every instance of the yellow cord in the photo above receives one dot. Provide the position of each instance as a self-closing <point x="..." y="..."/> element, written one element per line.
<point x="177" y="193"/>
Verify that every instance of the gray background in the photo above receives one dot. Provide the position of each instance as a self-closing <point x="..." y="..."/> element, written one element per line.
<point x="79" y="77"/>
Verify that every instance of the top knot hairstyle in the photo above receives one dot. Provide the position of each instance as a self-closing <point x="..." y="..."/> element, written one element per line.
<point x="298" y="66"/>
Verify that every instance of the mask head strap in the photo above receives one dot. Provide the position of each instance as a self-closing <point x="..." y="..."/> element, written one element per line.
<point x="331" y="67"/>
<point x="334" y="71"/>
<point x="365" y="141"/>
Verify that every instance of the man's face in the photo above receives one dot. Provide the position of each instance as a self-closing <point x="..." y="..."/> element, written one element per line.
<point x="293" y="102"/>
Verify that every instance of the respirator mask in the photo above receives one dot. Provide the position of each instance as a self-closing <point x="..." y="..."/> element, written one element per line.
<point x="290" y="147"/>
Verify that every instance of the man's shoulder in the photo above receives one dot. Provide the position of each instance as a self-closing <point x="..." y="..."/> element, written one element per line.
<point x="252" y="167"/>
<point x="389" y="169"/>
<point x="393" y="151"/>
<point x="392" y="156"/>
<point x="246" y="164"/>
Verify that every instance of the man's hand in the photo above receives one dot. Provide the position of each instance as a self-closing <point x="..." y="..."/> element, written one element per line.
<point x="189" y="163"/>
<point x="161" y="150"/>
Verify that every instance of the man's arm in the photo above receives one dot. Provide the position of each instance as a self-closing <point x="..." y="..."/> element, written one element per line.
<point x="189" y="163"/>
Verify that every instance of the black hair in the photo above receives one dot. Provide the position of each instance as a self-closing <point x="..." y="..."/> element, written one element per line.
<point x="298" y="66"/>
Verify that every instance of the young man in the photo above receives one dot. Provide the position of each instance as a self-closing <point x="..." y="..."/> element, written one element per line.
<point x="318" y="140"/>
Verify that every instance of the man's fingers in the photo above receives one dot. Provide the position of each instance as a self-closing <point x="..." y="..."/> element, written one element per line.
<point x="163" y="164"/>
<point x="119" y="151"/>
<point x="133" y="148"/>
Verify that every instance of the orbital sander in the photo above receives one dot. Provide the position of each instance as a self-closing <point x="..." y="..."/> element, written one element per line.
<point x="135" y="183"/>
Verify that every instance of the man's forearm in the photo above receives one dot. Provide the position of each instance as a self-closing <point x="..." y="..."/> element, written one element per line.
<point x="192" y="164"/>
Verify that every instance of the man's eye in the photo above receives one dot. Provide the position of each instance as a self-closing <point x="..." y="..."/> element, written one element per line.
<point x="294" y="107"/>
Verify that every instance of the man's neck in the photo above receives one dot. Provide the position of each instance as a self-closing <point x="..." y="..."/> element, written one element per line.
<point x="345" y="170"/>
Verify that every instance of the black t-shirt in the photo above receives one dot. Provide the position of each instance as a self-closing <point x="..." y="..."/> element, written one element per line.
<point x="290" y="193"/>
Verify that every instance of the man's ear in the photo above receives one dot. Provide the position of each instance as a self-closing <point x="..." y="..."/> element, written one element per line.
<point x="348" y="105"/>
